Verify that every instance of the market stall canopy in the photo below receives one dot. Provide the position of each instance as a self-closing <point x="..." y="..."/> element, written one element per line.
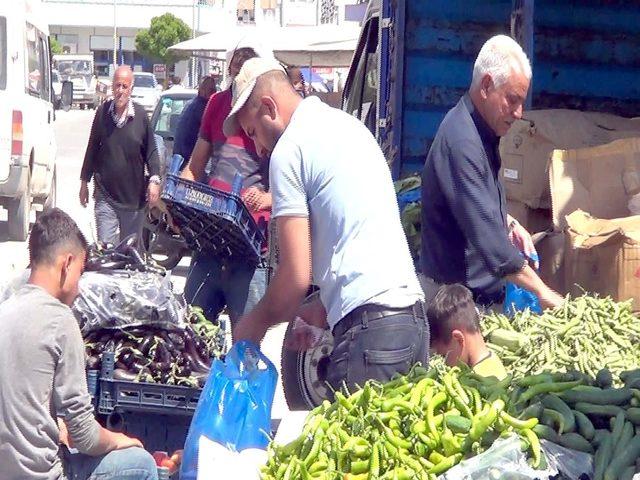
<point x="328" y="46"/>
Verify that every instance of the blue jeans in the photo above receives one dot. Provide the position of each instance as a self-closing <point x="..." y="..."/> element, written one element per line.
<point x="131" y="464"/>
<point x="213" y="282"/>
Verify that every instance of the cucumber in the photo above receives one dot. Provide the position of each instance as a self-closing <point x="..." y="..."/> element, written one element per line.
<point x="603" y="456"/>
<point x="633" y="383"/>
<point x="596" y="441"/>
<point x="509" y="339"/>
<point x="575" y="441"/>
<point x="633" y="415"/>
<point x="585" y="427"/>
<point x="628" y="375"/>
<point x="628" y="473"/>
<point x="548" y="433"/>
<point x="597" y="410"/>
<point x="597" y="396"/>
<point x="532" y="411"/>
<point x="624" y="460"/>
<point x="554" y="402"/>
<point x="627" y="434"/>
<point x="553" y="419"/>
<point x="617" y="425"/>
<point x="457" y="423"/>
<point x="604" y="379"/>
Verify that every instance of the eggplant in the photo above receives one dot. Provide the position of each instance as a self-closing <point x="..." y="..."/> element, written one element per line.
<point x="125" y="375"/>
<point x="194" y="357"/>
<point x="93" y="362"/>
<point x="176" y="339"/>
<point x="121" y="366"/>
<point x="146" y="344"/>
<point x="162" y="353"/>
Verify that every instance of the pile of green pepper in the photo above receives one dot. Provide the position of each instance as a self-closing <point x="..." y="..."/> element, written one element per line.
<point x="586" y="334"/>
<point x="414" y="427"/>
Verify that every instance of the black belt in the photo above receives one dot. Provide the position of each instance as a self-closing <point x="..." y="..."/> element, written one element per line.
<point x="369" y="312"/>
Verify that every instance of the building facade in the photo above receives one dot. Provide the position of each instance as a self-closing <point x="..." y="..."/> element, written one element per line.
<point x="107" y="28"/>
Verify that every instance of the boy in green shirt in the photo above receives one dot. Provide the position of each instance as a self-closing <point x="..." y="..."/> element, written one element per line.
<point x="456" y="335"/>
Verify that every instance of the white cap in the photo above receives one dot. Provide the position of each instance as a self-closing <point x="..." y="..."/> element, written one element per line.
<point x="243" y="85"/>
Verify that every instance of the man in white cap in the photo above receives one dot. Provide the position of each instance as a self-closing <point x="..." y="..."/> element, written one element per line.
<point x="215" y="281"/>
<point x="337" y="216"/>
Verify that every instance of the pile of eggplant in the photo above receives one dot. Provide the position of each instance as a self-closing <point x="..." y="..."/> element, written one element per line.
<point x="157" y="355"/>
<point x="124" y="256"/>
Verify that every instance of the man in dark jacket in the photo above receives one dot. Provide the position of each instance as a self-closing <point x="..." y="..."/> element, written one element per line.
<point x="189" y="124"/>
<point x="467" y="235"/>
<point x="120" y="152"/>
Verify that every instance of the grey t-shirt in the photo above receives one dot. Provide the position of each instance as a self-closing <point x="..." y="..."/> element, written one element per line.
<point x="42" y="376"/>
<point x="328" y="167"/>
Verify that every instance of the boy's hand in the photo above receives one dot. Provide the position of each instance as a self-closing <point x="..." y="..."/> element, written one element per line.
<point x="123" y="441"/>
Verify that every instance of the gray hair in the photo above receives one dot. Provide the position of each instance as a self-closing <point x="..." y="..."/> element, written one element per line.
<point x="500" y="57"/>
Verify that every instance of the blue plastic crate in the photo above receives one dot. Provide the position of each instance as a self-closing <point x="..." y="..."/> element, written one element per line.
<point x="213" y="220"/>
<point x="123" y="396"/>
<point x="162" y="433"/>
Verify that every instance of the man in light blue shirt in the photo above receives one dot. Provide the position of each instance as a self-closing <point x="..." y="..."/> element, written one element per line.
<point x="337" y="216"/>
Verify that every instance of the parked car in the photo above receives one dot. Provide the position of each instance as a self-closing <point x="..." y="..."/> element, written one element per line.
<point x="56" y="84"/>
<point x="165" y="246"/>
<point x="146" y="90"/>
<point x="165" y="118"/>
<point x="80" y="71"/>
<point x="27" y="104"/>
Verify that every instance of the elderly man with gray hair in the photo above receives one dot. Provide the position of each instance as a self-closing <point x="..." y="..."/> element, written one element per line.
<point x="467" y="235"/>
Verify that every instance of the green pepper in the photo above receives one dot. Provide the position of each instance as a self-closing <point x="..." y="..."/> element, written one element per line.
<point x="534" y="444"/>
<point x="446" y="464"/>
<point x="516" y="423"/>
<point x="436" y="401"/>
<point x="374" y="463"/>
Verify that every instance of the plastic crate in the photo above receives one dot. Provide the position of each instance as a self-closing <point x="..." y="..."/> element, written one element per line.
<point x="117" y="395"/>
<point x="213" y="220"/>
<point x="165" y="433"/>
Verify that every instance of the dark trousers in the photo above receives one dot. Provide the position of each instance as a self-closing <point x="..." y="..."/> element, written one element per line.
<point x="375" y="342"/>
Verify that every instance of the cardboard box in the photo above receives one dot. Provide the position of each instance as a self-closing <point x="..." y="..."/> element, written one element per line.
<point x="526" y="149"/>
<point x="533" y="219"/>
<point x="604" y="256"/>
<point x="598" y="180"/>
<point x="601" y="251"/>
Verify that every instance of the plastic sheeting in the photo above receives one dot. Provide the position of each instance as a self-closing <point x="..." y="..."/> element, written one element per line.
<point x="123" y="298"/>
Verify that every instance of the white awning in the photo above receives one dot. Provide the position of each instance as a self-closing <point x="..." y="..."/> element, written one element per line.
<point x="327" y="46"/>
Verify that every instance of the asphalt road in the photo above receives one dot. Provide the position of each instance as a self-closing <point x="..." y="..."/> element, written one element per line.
<point x="72" y="131"/>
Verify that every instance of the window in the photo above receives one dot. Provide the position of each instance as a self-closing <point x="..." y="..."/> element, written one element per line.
<point x="167" y="120"/>
<point x="3" y="53"/>
<point x="361" y="91"/>
<point x="45" y="65"/>
<point x="34" y="72"/>
<point x="143" y="81"/>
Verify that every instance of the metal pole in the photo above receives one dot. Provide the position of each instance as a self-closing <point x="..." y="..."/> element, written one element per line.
<point x="115" y="37"/>
<point x="193" y="35"/>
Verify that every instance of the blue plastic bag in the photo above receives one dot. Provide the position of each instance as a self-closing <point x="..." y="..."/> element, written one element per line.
<point x="235" y="405"/>
<point x="517" y="299"/>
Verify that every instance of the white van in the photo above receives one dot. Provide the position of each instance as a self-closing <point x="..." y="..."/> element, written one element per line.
<point x="27" y="140"/>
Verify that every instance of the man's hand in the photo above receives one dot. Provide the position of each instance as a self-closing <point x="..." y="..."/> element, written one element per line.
<point x="550" y="299"/>
<point x="249" y="328"/>
<point x="153" y="193"/>
<point x="84" y="193"/>
<point x="256" y="200"/>
<point x="521" y="239"/>
<point x="123" y="441"/>
<point x="64" y="434"/>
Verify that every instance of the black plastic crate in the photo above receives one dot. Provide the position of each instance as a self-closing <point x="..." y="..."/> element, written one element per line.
<point x="163" y="433"/>
<point x="118" y="395"/>
<point x="213" y="220"/>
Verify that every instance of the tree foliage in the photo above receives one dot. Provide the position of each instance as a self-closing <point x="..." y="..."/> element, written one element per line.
<point x="56" y="46"/>
<point x="165" y="31"/>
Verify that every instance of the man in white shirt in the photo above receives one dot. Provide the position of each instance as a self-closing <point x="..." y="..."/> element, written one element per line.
<point x="337" y="216"/>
